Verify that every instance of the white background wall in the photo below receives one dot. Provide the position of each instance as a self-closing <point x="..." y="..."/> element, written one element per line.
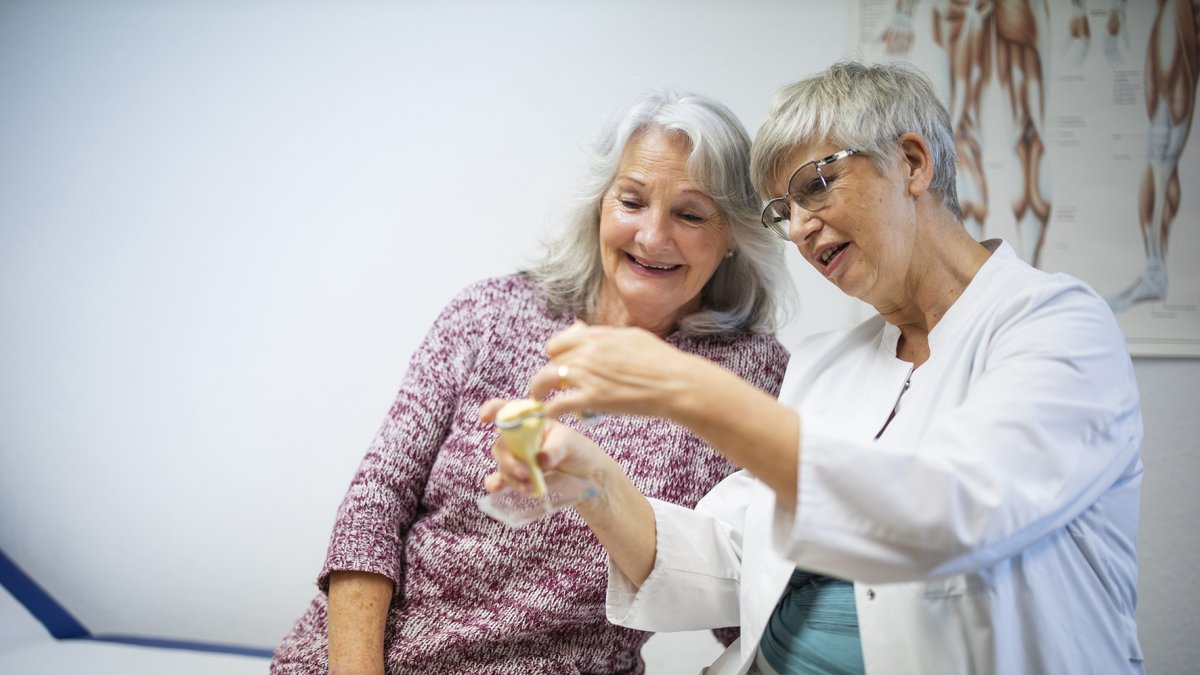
<point x="225" y="225"/>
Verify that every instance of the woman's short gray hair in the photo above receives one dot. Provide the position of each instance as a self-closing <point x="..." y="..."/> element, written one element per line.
<point x="748" y="290"/>
<point x="865" y="107"/>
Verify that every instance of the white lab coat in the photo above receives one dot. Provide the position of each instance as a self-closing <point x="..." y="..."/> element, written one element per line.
<point x="990" y="529"/>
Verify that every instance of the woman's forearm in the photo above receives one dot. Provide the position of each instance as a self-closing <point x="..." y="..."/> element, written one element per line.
<point x="623" y="521"/>
<point x="358" y="610"/>
<point x="624" y="370"/>
<point x="744" y="423"/>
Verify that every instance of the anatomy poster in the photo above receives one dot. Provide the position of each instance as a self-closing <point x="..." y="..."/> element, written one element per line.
<point x="1072" y="121"/>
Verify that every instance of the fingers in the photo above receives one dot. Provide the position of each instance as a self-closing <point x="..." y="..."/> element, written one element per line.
<point x="554" y="445"/>
<point x="575" y="354"/>
<point x="487" y="411"/>
<point x="569" y="402"/>
<point x="511" y="471"/>
<point x="565" y="369"/>
<point x="567" y="339"/>
<point x="563" y="450"/>
<point x="493" y="482"/>
<point x="510" y="466"/>
<point x="552" y="377"/>
<point x="575" y="384"/>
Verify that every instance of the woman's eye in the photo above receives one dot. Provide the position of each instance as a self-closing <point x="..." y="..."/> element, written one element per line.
<point x="630" y="203"/>
<point x="814" y="187"/>
<point x="692" y="218"/>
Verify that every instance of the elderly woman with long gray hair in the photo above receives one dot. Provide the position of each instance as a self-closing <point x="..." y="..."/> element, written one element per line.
<point x="417" y="578"/>
<point x="950" y="486"/>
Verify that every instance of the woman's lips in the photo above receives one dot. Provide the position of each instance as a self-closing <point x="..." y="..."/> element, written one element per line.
<point x="830" y="258"/>
<point x="829" y="253"/>
<point x="651" y="266"/>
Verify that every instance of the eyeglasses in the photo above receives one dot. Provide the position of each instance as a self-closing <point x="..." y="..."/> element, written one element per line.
<point x="807" y="187"/>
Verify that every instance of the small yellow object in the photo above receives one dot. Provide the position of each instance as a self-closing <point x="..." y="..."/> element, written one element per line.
<point x="520" y="423"/>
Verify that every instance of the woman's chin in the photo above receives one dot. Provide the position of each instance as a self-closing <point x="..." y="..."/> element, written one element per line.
<point x="849" y="287"/>
<point x="655" y="316"/>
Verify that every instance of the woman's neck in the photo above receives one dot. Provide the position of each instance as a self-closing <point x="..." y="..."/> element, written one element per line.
<point x="935" y="283"/>
<point x="610" y="312"/>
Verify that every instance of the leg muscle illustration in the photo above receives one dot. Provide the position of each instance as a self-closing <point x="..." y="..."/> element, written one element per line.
<point x="1172" y="57"/>
<point x="1005" y="38"/>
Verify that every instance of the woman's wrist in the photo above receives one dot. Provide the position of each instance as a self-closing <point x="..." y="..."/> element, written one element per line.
<point x="699" y="389"/>
<point x="609" y="479"/>
<point x="622" y="519"/>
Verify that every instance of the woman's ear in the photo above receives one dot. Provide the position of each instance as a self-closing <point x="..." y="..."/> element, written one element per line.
<point x="917" y="161"/>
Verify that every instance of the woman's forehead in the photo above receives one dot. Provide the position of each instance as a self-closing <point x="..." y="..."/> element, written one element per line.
<point x="800" y="153"/>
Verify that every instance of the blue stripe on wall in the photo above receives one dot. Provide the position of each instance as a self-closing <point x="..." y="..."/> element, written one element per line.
<point x="160" y="643"/>
<point x="63" y="626"/>
<point x="44" y="608"/>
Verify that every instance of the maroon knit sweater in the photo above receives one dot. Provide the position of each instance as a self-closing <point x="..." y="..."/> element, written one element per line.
<point x="473" y="596"/>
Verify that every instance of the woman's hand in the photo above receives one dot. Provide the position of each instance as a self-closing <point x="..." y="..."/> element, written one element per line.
<point x="563" y="450"/>
<point x="619" y="514"/>
<point x="629" y="370"/>
<point x="615" y="370"/>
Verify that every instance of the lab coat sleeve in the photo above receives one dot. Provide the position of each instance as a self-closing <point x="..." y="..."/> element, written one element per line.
<point x="696" y="577"/>
<point x="1050" y="421"/>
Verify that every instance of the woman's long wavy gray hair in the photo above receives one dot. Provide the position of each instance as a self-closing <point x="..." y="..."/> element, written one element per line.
<point x="745" y="291"/>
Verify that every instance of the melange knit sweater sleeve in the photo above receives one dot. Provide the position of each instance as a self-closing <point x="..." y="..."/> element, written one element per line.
<point x="383" y="498"/>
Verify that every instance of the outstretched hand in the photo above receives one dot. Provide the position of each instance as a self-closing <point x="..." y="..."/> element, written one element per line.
<point x="617" y="513"/>
<point x="563" y="450"/>
<point x="613" y="370"/>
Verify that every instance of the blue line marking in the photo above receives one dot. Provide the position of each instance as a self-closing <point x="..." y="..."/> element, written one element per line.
<point x="44" y="608"/>
<point x="188" y="645"/>
<point x="63" y="626"/>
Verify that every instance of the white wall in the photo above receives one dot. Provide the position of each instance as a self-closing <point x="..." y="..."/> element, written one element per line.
<point x="225" y="225"/>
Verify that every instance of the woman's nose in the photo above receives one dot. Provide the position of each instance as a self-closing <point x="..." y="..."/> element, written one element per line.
<point x="654" y="230"/>
<point x="802" y="224"/>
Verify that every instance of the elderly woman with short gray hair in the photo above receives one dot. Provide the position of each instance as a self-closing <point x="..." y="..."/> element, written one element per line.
<point x="417" y="578"/>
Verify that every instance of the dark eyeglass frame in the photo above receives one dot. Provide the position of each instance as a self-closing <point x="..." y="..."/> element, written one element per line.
<point x="813" y="202"/>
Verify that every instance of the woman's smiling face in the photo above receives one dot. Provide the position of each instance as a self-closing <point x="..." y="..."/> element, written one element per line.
<point x="661" y="237"/>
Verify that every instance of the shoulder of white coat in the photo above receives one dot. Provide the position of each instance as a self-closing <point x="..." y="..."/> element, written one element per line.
<point x="1020" y="289"/>
<point x="1007" y="276"/>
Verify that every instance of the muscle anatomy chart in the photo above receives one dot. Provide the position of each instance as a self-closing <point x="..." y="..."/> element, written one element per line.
<point x="1003" y="41"/>
<point x="1071" y="121"/>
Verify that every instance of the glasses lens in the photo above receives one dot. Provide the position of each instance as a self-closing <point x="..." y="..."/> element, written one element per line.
<point x="777" y="217"/>
<point x="808" y="187"/>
